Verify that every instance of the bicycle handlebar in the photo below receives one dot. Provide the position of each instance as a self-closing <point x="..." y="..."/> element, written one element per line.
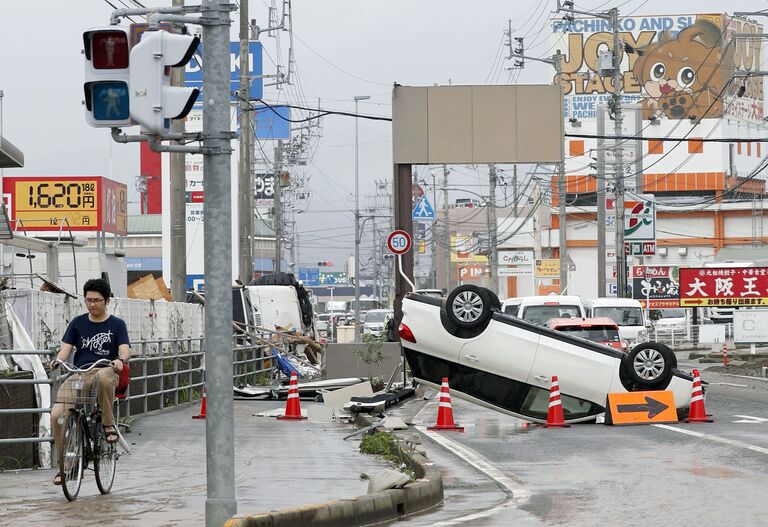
<point x="73" y="369"/>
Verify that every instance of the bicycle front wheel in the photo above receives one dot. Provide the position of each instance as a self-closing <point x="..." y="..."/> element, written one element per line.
<point x="104" y="461"/>
<point x="71" y="464"/>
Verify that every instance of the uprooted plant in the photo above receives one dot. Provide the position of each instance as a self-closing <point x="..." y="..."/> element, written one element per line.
<point x="389" y="447"/>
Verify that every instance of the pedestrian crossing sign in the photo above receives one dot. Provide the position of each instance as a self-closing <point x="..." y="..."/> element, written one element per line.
<point x="423" y="211"/>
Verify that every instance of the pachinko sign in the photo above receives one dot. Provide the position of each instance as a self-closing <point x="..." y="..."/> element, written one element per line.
<point x="674" y="67"/>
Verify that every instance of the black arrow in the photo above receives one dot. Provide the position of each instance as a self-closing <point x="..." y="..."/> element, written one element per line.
<point x="652" y="406"/>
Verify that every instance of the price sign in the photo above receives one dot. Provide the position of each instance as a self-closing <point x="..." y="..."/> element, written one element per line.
<point x="87" y="203"/>
<point x="399" y="242"/>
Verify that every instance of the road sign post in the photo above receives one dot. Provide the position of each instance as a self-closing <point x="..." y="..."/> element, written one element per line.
<point x="399" y="242"/>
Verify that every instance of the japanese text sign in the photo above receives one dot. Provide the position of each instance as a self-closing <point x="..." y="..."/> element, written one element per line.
<point x="656" y="285"/>
<point x="725" y="286"/>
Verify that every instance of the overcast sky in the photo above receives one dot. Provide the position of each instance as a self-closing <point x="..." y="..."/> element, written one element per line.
<point x="342" y="49"/>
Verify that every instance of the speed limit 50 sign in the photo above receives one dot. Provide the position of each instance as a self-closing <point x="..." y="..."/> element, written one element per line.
<point x="399" y="242"/>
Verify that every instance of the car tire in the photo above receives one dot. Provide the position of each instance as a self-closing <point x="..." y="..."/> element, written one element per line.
<point x="650" y="365"/>
<point x="469" y="306"/>
<point x="493" y="300"/>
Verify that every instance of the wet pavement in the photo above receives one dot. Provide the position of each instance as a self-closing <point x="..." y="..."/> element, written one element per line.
<point x="278" y="464"/>
<point x="640" y="475"/>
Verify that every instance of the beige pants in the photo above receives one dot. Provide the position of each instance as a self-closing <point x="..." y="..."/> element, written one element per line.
<point x="105" y="391"/>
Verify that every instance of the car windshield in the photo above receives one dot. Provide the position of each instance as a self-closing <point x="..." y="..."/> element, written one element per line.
<point x="594" y="333"/>
<point x="672" y="313"/>
<point x="623" y="316"/>
<point x="376" y="316"/>
<point x="540" y="314"/>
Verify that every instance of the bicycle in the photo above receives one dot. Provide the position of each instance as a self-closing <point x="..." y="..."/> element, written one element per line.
<point x="84" y="438"/>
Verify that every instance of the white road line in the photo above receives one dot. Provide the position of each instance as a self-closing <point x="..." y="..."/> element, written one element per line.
<point x="751" y="420"/>
<point x="519" y="494"/>
<point x="716" y="439"/>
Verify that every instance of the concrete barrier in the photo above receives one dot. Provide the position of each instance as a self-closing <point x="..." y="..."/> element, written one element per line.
<point x="422" y="494"/>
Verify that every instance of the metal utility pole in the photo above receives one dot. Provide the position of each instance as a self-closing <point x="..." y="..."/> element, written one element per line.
<point x="220" y="503"/>
<point x="561" y="188"/>
<point x="244" y="179"/>
<point x="178" y="202"/>
<point x="446" y="230"/>
<point x="278" y="204"/>
<point x="493" y="264"/>
<point x="618" y="154"/>
<point x="358" y="98"/>
<point x="601" y="226"/>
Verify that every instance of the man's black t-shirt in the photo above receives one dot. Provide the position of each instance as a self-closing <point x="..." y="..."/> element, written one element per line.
<point x="95" y="340"/>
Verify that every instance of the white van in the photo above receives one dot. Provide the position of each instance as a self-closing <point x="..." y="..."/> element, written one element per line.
<point x="539" y="309"/>
<point x="626" y="312"/>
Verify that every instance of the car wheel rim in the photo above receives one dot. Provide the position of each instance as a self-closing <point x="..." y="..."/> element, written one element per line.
<point x="649" y="364"/>
<point x="468" y="306"/>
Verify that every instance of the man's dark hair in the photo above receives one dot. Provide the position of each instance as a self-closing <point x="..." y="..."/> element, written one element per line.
<point x="98" y="285"/>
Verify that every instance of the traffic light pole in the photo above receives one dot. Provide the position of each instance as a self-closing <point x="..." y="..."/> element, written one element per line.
<point x="220" y="504"/>
<point x="178" y="201"/>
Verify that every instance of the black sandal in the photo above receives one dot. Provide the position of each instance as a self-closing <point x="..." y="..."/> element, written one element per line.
<point x="111" y="435"/>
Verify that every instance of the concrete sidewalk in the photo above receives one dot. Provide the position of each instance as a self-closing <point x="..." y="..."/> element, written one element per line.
<point x="278" y="464"/>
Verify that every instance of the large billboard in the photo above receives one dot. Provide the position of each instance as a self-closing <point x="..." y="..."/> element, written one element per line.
<point x="724" y="286"/>
<point x="674" y="66"/>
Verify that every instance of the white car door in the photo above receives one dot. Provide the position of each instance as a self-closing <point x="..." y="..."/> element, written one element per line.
<point x="582" y="371"/>
<point x="502" y="349"/>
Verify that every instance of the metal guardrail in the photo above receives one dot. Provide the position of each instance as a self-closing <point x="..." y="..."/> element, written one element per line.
<point x="686" y="336"/>
<point x="164" y="373"/>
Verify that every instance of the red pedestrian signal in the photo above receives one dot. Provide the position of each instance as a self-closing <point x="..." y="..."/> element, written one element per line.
<point x="107" y="61"/>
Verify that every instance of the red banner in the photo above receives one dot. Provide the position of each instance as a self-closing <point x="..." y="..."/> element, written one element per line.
<point x="724" y="286"/>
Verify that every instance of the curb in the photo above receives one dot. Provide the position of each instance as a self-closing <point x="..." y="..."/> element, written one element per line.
<point x="369" y="509"/>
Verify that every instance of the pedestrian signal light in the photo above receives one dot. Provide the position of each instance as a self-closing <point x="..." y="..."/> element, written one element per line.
<point x="153" y="101"/>
<point x="107" y="60"/>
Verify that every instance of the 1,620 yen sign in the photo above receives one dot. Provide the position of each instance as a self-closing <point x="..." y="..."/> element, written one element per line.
<point x="399" y="242"/>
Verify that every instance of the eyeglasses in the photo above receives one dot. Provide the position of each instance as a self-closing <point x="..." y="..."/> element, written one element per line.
<point x="94" y="300"/>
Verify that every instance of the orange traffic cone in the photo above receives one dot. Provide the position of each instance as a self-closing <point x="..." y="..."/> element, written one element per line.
<point x="445" y="411"/>
<point x="697" y="413"/>
<point x="292" y="406"/>
<point x="555" y="417"/>
<point x="202" y="408"/>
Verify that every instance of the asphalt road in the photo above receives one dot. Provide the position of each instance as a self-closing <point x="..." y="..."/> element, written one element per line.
<point x="709" y="474"/>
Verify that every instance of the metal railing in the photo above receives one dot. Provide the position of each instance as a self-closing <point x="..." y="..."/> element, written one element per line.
<point x="164" y="373"/>
<point x="688" y="336"/>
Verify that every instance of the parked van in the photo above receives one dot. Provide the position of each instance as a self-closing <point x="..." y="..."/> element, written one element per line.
<point x="627" y="313"/>
<point x="539" y="309"/>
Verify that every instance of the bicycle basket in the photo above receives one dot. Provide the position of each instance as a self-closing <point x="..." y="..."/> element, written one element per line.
<point x="77" y="390"/>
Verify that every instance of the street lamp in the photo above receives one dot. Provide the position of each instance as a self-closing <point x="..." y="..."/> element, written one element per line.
<point x="357" y="98"/>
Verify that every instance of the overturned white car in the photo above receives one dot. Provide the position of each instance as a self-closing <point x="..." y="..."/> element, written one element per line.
<point x="506" y="363"/>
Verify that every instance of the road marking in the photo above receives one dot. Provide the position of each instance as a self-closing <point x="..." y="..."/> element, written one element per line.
<point x="717" y="439"/>
<point x="751" y="420"/>
<point x="519" y="494"/>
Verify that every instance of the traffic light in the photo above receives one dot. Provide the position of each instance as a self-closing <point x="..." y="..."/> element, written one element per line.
<point x="325" y="264"/>
<point x="107" y="56"/>
<point x="153" y="101"/>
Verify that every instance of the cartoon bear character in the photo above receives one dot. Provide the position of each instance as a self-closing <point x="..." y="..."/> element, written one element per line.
<point x="685" y="77"/>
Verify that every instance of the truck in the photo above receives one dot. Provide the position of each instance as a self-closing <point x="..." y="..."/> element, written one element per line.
<point x="280" y="303"/>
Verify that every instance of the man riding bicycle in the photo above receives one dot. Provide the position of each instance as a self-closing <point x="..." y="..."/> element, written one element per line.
<point x="94" y="335"/>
